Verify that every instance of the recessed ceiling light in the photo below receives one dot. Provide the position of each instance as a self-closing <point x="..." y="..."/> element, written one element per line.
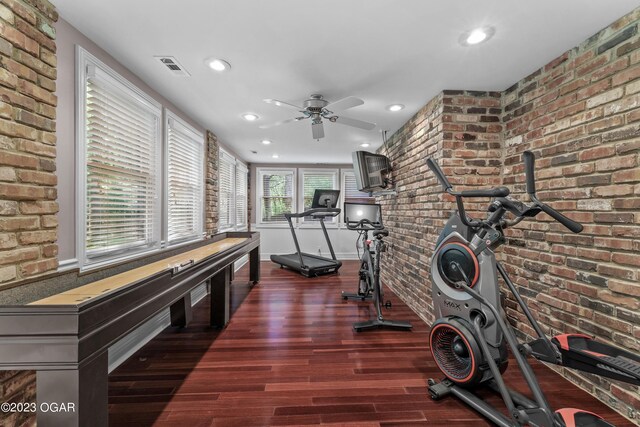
<point x="476" y="36"/>
<point x="275" y="156"/>
<point x="217" y="64"/>
<point x="266" y="142"/>
<point x="365" y="145"/>
<point x="395" y="107"/>
<point x="250" y="117"/>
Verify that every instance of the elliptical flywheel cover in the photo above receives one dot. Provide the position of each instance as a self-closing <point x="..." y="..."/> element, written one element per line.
<point x="462" y="255"/>
<point x="456" y="352"/>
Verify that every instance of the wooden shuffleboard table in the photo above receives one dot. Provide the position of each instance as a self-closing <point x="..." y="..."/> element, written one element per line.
<point x="65" y="337"/>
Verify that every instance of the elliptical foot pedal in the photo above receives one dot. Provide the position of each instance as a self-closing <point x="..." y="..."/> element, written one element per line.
<point x="573" y="417"/>
<point x="438" y="390"/>
<point x="586" y="354"/>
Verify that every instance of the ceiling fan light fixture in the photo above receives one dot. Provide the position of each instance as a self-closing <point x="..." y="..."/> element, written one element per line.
<point x="266" y="141"/>
<point x="395" y="107"/>
<point x="476" y="36"/>
<point x="217" y="64"/>
<point x="250" y="117"/>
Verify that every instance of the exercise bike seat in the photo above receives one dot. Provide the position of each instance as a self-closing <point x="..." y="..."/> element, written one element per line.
<point x="384" y="233"/>
<point x="573" y="417"/>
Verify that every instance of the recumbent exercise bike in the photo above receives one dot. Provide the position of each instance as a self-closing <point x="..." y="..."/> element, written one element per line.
<point x="363" y="218"/>
<point x="470" y="337"/>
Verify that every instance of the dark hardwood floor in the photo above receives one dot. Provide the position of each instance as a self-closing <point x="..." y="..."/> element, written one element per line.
<point x="290" y="357"/>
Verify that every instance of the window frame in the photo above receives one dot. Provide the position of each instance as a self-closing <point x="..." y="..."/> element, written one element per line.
<point x="335" y="175"/>
<point x="222" y="153"/>
<point x="260" y="171"/>
<point x="244" y="168"/>
<point x="84" y="62"/>
<point x="184" y="127"/>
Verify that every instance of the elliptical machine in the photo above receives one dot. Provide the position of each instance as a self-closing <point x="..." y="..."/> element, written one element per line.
<point x="470" y="337"/>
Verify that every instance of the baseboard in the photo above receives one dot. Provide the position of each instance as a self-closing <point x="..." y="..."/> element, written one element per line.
<point x="135" y="340"/>
<point x="67" y="264"/>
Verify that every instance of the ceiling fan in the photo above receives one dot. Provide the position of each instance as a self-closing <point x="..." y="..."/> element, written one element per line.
<point x="316" y="108"/>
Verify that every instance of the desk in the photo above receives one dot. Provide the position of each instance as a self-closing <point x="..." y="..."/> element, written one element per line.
<point x="65" y="337"/>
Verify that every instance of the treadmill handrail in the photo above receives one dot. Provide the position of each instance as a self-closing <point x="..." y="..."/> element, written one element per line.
<point x="328" y="212"/>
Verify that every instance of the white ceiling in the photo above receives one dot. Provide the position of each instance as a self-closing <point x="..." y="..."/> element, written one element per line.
<point x="382" y="51"/>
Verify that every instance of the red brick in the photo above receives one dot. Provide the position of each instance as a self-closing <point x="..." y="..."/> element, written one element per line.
<point x="39" y="207"/>
<point x="19" y="223"/>
<point x="18" y="255"/>
<point x="626" y="76"/>
<point x="37" y="92"/>
<point x="628" y="288"/>
<point x="35" y="237"/>
<point x="26" y="192"/>
<point x="619" y="162"/>
<point x="38" y="267"/>
<point x="35" y="177"/>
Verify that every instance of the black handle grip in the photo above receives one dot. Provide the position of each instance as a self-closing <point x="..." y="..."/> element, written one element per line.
<point x="529" y="162"/>
<point x="438" y="173"/>
<point x="491" y="192"/>
<point x="569" y="223"/>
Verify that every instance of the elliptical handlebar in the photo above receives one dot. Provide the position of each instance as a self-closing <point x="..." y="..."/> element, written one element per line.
<point x="529" y="163"/>
<point x="491" y="192"/>
<point x="364" y="224"/>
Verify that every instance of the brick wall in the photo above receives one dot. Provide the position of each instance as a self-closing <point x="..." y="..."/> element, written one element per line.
<point x="580" y="114"/>
<point x="211" y="199"/>
<point x="28" y="207"/>
<point x="28" y="204"/>
<point x="462" y="130"/>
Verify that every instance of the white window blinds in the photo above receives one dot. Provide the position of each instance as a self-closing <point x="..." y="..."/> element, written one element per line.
<point x="350" y="189"/>
<point x="226" y="194"/>
<point x="276" y="198"/>
<point x="242" y="207"/>
<point x="185" y="178"/>
<point x="313" y="180"/>
<point x="121" y="168"/>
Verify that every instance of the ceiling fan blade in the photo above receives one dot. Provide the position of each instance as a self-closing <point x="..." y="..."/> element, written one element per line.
<point x="355" y="123"/>
<point x="345" y="103"/>
<point x="318" y="130"/>
<point x="281" y="122"/>
<point x="283" y="104"/>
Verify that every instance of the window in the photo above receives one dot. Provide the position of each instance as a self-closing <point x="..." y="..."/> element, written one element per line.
<point x="119" y="134"/>
<point x="232" y="196"/>
<point x="185" y="179"/>
<point x="350" y="190"/>
<point x="226" y="194"/>
<point x="312" y="179"/>
<point x="242" y="207"/>
<point x="276" y="191"/>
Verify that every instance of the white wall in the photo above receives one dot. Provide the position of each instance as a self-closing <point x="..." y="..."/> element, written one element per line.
<point x="279" y="241"/>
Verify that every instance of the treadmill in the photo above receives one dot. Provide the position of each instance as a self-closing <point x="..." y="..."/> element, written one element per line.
<point x="309" y="265"/>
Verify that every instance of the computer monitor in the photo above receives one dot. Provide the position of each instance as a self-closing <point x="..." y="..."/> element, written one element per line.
<point x="356" y="212"/>
<point x="325" y="199"/>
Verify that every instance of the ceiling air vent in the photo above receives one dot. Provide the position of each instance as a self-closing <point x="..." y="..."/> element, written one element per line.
<point x="173" y="65"/>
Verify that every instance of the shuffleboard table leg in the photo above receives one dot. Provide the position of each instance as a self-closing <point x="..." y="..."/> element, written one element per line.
<point x="254" y="265"/>
<point x="220" y="285"/>
<point x="181" y="313"/>
<point x="74" y="397"/>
